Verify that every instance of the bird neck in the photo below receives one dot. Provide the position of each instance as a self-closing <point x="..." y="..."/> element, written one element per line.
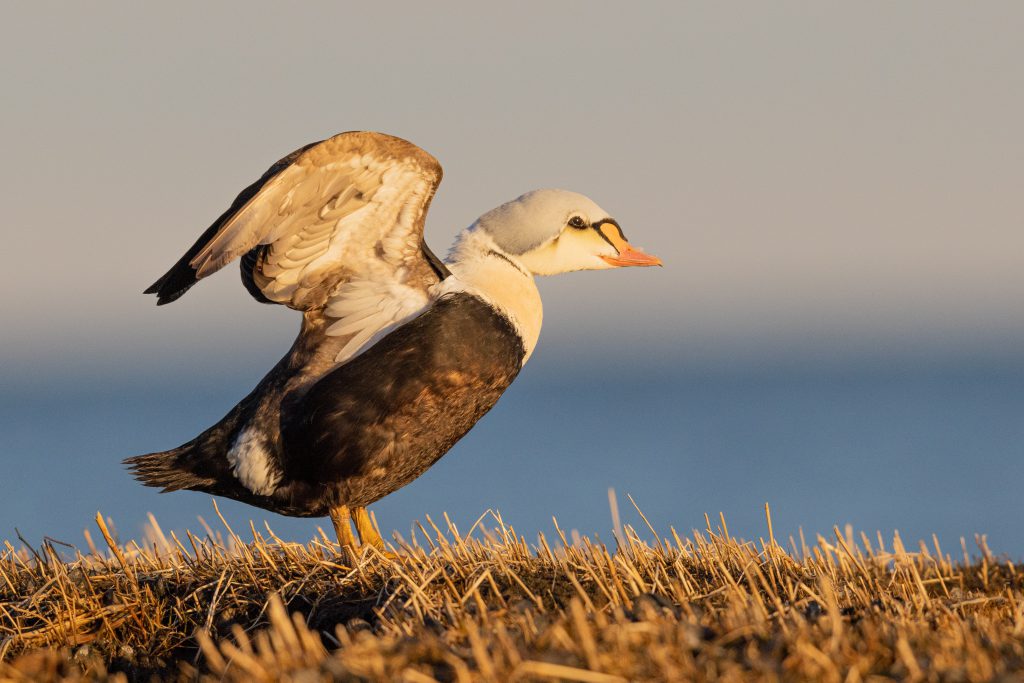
<point x="480" y="267"/>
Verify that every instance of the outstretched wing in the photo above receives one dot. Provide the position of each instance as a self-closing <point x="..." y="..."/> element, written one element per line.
<point x="336" y="225"/>
<point x="348" y="207"/>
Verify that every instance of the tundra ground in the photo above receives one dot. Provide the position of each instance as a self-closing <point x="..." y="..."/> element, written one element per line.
<point x="489" y="606"/>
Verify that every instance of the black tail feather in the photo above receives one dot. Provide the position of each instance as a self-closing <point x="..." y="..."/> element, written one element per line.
<point x="167" y="470"/>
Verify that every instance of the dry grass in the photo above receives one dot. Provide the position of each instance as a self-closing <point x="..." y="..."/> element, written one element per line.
<point x="488" y="606"/>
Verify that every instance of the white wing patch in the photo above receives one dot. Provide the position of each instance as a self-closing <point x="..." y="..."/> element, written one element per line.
<point x="251" y="464"/>
<point x="339" y="229"/>
<point x="368" y="309"/>
<point x="348" y="208"/>
<point x="349" y="221"/>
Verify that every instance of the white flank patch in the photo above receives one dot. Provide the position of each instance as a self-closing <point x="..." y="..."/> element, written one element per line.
<point x="251" y="464"/>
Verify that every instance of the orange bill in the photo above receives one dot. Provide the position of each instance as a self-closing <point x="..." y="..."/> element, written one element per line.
<point x="628" y="254"/>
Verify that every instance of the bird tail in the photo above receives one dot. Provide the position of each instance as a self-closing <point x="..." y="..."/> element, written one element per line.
<point x="169" y="470"/>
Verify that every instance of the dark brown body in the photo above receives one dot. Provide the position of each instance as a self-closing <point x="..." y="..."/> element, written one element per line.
<point x="363" y="429"/>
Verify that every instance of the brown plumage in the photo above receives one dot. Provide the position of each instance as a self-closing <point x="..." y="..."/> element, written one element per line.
<point x="399" y="354"/>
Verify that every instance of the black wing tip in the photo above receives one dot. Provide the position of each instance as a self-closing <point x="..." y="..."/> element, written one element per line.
<point x="171" y="286"/>
<point x="159" y="284"/>
<point x="164" y="298"/>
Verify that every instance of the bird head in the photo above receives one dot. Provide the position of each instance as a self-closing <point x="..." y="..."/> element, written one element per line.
<point x="557" y="231"/>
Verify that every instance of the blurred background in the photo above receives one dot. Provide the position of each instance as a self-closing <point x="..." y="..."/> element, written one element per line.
<point x="835" y="191"/>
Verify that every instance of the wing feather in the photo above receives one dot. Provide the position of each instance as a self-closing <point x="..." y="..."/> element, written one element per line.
<point x="366" y="310"/>
<point x="349" y="207"/>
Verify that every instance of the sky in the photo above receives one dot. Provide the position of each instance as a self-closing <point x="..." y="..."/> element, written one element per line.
<point x="828" y="185"/>
<point x="820" y="180"/>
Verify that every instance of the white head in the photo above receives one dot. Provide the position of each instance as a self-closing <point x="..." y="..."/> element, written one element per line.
<point x="544" y="232"/>
<point x="557" y="231"/>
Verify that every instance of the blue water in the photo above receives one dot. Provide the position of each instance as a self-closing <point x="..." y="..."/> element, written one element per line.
<point x="935" y="449"/>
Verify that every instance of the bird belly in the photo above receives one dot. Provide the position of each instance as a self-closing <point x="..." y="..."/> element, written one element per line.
<point x="378" y="422"/>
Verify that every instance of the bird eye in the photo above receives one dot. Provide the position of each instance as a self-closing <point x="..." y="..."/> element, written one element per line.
<point x="577" y="222"/>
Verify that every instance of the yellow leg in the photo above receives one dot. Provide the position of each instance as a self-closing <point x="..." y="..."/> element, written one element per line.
<point x="367" y="531"/>
<point x="340" y="517"/>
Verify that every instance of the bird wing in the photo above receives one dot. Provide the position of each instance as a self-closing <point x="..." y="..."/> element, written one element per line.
<point x="336" y="225"/>
<point x="349" y="207"/>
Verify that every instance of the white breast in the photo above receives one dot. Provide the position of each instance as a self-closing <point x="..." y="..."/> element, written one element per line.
<point x="478" y="268"/>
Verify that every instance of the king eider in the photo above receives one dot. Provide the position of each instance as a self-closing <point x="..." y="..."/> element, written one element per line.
<point x="399" y="353"/>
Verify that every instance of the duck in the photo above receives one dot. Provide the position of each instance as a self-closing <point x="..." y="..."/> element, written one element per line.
<point x="399" y="352"/>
